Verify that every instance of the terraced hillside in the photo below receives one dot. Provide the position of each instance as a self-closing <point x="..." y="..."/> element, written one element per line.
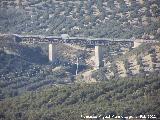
<point x="141" y="61"/>
<point x="96" y="18"/>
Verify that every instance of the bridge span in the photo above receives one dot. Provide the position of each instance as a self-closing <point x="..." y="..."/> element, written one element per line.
<point x="97" y="42"/>
<point x="70" y="40"/>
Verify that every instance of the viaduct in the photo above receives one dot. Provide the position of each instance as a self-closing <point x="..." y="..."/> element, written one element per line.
<point x="97" y="42"/>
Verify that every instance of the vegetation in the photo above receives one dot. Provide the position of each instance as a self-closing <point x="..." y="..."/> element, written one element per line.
<point x="138" y="96"/>
<point x="112" y="19"/>
<point x="19" y="74"/>
<point x="34" y="89"/>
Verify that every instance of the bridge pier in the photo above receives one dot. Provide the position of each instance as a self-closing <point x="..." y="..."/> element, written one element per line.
<point x="51" y="54"/>
<point x="98" y="57"/>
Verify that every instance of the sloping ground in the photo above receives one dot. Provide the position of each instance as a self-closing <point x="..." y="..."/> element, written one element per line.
<point x="121" y="69"/>
<point x="109" y="73"/>
<point x="86" y="77"/>
<point x="142" y="60"/>
<point x="69" y="52"/>
<point x="127" y="97"/>
<point x="112" y="19"/>
<point x="17" y="75"/>
<point x="147" y="63"/>
<point x="26" y="68"/>
<point x="134" y="67"/>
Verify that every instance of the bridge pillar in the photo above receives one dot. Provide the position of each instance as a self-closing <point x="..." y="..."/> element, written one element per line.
<point x="51" y="53"/>
<point x="98" y="57"/>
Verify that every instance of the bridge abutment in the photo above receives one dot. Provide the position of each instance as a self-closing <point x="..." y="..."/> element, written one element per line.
<point x="136" y="44"/>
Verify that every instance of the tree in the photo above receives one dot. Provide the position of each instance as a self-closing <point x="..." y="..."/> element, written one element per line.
<point x="110" y="4"/>
<point x="19" y="3"/>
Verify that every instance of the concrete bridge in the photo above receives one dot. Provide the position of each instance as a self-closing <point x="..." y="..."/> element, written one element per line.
<point x="70" y="40"/>
<point x="97" y="42"/>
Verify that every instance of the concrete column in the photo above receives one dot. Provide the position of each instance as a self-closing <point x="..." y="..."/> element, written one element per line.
<point x="51" y="55"/>
<point x="98" y="57"/>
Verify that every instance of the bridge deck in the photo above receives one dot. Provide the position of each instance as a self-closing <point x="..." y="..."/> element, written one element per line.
<point x="77" y="40"/>
<point x="71" y="38"/>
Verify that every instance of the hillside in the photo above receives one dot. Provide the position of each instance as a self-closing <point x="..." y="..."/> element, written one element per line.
<point x="97" y="18"/>
<point x="33" y="88"/>
<point x="135" y="97"/>
<point x="140" y="61"/>
<point x="27" y="68"/>
<point x="31" y="63"/>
